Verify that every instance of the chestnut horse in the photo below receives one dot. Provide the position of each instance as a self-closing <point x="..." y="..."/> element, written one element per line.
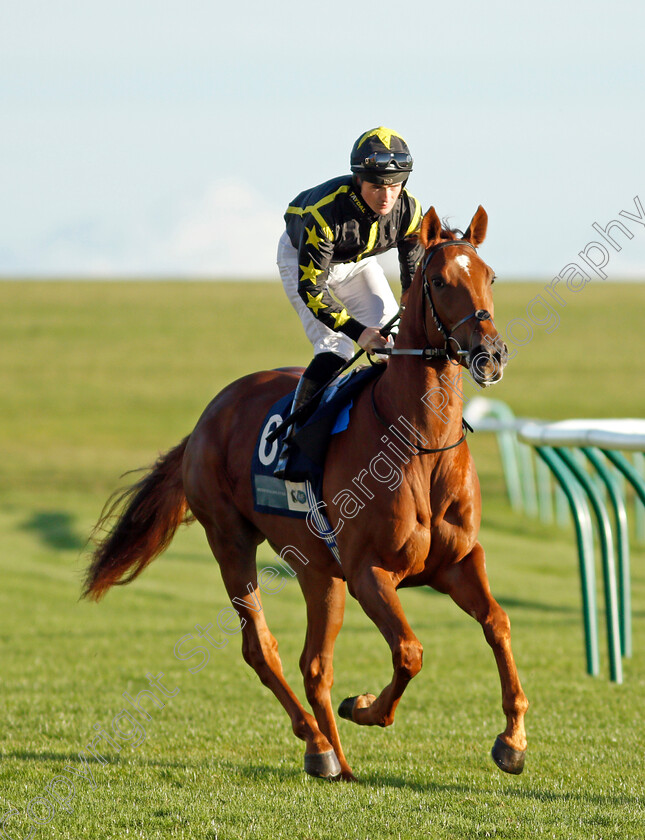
<point x="419" y="530"/>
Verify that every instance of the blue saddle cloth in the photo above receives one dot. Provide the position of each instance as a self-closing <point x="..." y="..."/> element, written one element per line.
<point x="293" y="498"/>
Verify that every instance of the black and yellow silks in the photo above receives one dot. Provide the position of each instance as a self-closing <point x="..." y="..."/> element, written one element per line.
<point x="331" y="224"/>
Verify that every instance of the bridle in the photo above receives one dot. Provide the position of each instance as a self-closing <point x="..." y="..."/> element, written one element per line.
<point x="479" y="314"/>
<point x="429" y="353"/>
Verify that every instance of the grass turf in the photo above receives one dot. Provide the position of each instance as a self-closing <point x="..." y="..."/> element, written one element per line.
<point x="96" y="379"/>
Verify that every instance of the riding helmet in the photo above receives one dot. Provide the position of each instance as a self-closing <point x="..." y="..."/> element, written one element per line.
<point x="381" y="156"/>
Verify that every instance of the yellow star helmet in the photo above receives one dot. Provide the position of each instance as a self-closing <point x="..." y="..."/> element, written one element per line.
<point x="381" y="156"/>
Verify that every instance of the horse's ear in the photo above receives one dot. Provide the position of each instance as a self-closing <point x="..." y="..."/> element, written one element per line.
<point x="430" y="229"/>
<point x="476" y="232"/>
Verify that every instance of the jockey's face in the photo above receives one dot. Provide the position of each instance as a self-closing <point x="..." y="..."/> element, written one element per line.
<point x="380" y="198"/>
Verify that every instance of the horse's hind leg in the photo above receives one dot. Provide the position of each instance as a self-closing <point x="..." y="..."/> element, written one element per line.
<point x="236" y="558"/>
<point x="325" y="598"/>
<point x="467" y="584"/>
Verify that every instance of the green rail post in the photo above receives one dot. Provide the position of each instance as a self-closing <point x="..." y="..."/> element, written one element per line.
<point x="639" y="507"/>
<point x="608" y="562"/>
<point x="495" y="416"/>
<point x="584" y="536"/>
<point x="545" y="496"/>
<point x="630" y="473"/>
<point x="529" y="493"/>
<point x="510" y="465"/>
<point x="622" y="546"/>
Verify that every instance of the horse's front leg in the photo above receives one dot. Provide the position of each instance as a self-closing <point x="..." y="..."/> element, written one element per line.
<point x="375" y="591"/>
<point x="467" y="584"/>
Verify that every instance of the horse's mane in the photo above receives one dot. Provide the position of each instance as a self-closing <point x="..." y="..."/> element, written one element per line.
<point x="450" y="233"/>
<point x="447" y="232"/>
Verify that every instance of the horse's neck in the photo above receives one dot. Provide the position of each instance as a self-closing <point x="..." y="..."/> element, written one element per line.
<point x="427" y="395"/>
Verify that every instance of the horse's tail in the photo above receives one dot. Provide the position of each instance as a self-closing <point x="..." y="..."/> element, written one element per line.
<point x="147" y="516"/>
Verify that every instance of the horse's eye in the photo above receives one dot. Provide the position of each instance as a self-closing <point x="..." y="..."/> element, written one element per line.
<point x="438" y="282"/>
<point x="493" y="280"/>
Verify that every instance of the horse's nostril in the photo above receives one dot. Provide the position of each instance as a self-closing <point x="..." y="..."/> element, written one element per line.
<point x="483" y="364"/>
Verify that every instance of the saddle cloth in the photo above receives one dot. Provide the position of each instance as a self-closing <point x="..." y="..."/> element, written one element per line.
<point x="292" y="497"/>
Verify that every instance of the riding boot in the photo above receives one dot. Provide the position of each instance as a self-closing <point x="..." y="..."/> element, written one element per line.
<point x="304" y="391"/>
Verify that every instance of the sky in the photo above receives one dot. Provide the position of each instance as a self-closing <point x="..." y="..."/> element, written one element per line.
<point x="166" y="138"/>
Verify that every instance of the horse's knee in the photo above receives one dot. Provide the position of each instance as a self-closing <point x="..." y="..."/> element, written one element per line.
<point x="318" y="678"/>
<point x="496" y="626"/>
<point x="408" y="658"/>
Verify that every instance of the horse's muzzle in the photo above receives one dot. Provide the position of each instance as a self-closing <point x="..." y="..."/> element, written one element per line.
<point x="486" y="363"/>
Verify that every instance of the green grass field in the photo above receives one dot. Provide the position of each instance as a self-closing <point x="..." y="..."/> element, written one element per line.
<point x="96" y="379"/>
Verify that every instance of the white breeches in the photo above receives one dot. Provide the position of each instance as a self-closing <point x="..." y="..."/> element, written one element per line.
<point x="361" y="287"/>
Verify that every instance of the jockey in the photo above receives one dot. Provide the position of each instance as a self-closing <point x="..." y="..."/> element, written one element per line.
<point x="334" y="232"/>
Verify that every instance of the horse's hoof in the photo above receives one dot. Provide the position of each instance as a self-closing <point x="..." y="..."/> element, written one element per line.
<point x="347" y="707"/>
<point x="508" y="759"/>
<point x="322" y="765"/>
<point x="352" y="704"/>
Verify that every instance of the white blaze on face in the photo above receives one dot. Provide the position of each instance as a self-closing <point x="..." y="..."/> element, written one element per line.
<point x="463" y="261"/>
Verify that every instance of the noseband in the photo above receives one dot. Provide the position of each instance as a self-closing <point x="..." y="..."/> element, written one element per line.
<point x="479" y="314"/>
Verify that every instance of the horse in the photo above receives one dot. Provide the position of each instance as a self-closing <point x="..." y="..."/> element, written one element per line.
<point x="420" y="528"/>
